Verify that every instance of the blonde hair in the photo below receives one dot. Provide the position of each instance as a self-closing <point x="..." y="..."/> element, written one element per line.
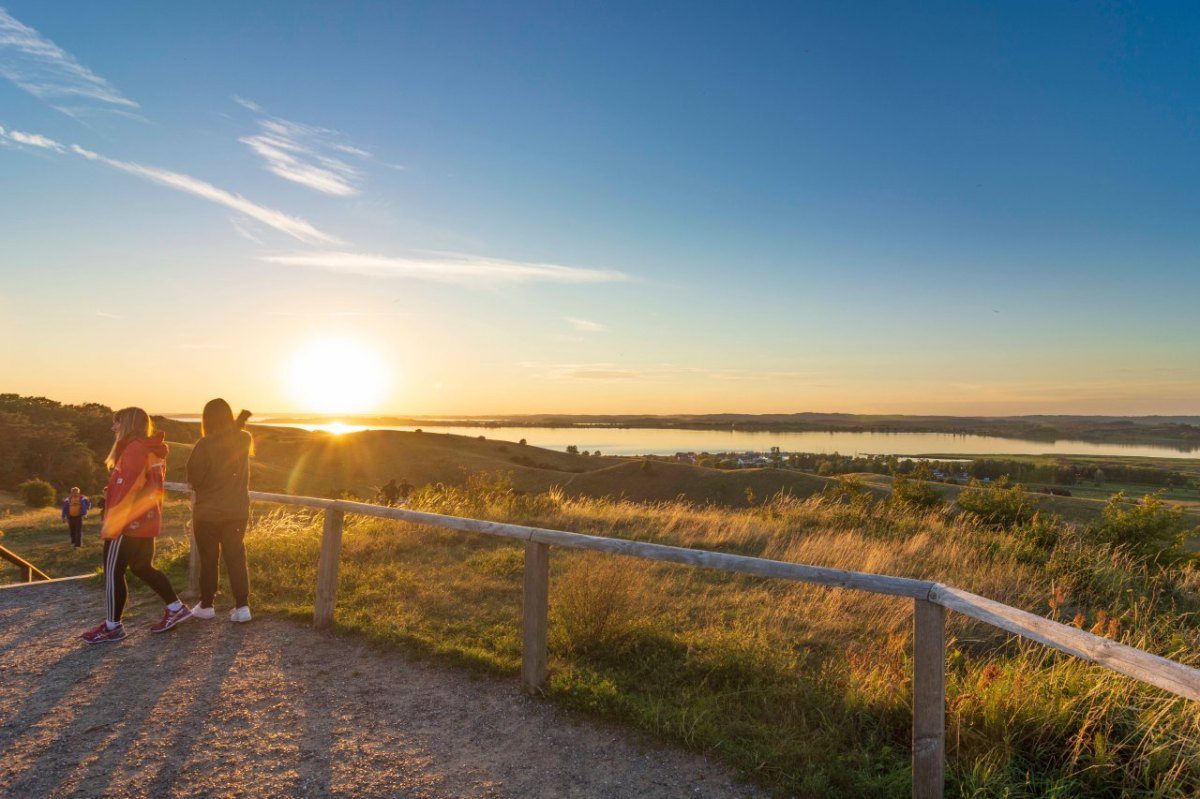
<point x="131" y="422"/>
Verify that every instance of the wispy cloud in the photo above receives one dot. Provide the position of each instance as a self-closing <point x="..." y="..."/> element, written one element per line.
<point x="447" y="268"/>
<point x="661" y="373"/>
<point x="48" y="72"/>
<point x="603" y="371"/>
<point x="243" y="230"/>
<point x="106" y="315"/>
<point x="248" y="104"/>
<point x="291" y="225"/>
<point x="335" y="314"/>
<point x="584" y="325"/>
<point x="31" y="140"/>
<point x="310" y="156"/>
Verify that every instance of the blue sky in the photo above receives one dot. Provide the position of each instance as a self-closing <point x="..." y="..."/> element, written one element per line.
<point x="546" y="207"/>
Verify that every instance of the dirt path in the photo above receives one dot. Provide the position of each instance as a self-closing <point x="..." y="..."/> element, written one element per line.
<point x="275" y="709"/>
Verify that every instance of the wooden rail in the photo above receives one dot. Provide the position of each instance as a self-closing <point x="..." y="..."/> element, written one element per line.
<point x="931" y="600"/>
<point x="29" y="572"/>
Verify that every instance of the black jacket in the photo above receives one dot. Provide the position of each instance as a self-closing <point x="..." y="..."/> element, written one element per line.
<point x="219" y="472"/>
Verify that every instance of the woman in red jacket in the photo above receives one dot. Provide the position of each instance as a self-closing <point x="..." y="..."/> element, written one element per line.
<point x="132" y="520"/>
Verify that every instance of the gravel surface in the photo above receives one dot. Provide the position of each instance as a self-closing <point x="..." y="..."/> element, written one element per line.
<point x="275" y="709"/>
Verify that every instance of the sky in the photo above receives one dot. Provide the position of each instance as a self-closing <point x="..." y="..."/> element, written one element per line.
<point x="454" y="208"/>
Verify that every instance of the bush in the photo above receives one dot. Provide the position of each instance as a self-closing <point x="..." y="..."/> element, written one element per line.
<point x="1150" y="527"/>
<point x="999" y="504"/>
<point x="915" y="491"/>
<point x="599" y="603"/>
<point x="37" y="493"/>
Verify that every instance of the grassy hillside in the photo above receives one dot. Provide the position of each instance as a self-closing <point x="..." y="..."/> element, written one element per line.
<point x="805" y="689"/>
<point x="298" y="462"/>
<point x="655" y="481"/>
<point x="295" y="461"/>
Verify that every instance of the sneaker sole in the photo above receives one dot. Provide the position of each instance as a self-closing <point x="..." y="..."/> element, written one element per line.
<point x="105" y="640"/>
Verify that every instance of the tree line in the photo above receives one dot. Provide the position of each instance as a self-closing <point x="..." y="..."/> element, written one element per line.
<point x="958" y="471"/>
<point x="62" y="444"/>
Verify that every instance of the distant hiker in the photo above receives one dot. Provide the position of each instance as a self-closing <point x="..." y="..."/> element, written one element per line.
<point x="219" y="473"/>
<point x="75" y="507"/>
<point x="406" y="489"/>
<point x="390" y="492"/>
<point x="132" y="520"/>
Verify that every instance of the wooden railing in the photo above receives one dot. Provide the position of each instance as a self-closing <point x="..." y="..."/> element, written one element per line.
<point x="29" y="572"/>
<point x="931" y="600"/>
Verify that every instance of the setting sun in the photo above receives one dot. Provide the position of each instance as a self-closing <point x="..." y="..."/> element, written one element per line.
<point x="337" y="375"/>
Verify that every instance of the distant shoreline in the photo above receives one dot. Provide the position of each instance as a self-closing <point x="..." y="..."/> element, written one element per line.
<point x="1143" y="430"/>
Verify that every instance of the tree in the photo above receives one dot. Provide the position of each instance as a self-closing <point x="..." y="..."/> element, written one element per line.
<point x="572" y="449"/>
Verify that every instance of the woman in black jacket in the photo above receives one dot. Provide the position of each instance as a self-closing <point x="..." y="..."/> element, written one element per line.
<point x="219" y="473"/>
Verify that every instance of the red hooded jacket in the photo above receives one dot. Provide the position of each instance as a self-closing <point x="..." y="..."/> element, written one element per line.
<point x="134" y="497"/>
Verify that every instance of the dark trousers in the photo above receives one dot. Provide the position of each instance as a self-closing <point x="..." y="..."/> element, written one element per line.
<point x="226" y="540"/>
<point x="135" y="554"/>
<point x="75" y="525"/>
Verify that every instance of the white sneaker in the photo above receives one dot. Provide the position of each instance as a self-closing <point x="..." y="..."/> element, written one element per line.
<point x="199" y="612"/>
<point x="241" y="614"/>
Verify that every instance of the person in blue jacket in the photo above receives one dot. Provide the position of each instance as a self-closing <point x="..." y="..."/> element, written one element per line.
<point x="74" y="509"/>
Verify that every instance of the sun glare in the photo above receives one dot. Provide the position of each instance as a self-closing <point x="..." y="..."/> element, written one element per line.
<point x="337" y="375"/>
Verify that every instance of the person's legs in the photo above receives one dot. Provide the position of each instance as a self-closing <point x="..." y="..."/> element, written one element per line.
<point x="208" y="544"/>
<point x="233" y="549"/>
<point x="75" y="525"/>
<point x="141" y="553"/>
<point x="115" y="589"/>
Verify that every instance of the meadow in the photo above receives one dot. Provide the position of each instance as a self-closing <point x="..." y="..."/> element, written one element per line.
<point x="804" y="689"/>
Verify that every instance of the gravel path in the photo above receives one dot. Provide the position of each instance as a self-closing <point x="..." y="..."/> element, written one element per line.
<point x="276" y="709"/>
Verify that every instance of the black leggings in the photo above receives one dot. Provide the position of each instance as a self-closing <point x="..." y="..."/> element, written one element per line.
<point x="227" y="538"/>
<point x="135" y="554"/>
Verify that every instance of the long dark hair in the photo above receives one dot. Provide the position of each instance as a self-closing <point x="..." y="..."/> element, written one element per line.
<point x="218" y="418"/>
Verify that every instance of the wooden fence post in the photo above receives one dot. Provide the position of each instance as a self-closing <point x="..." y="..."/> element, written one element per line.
<point x="929" y="700"/>
<point x="535" y="616"/>
<point x="327" y="568"/>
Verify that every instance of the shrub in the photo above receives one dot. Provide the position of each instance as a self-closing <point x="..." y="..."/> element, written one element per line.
<point x="848" y="487"/>
<point x="999" y="504"/>
<point x="1149" y="527"/>
<point x="37" y="493"/>
<point x="915" y="491"/>
<point x="1041" y="532"/>
<point x="598" y="604"/>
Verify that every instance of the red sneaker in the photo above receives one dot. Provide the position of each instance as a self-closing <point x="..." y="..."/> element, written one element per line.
<point x="171" y="618"/>
<point x="100" y="634"/>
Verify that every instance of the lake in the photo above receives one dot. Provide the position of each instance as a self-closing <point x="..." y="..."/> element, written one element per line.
<point x="646" y="441"/>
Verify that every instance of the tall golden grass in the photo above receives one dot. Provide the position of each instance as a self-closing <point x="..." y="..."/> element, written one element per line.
<point x="805" y="689"/>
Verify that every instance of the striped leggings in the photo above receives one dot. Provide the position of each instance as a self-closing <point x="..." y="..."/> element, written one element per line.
<point x="135" y="554"/>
